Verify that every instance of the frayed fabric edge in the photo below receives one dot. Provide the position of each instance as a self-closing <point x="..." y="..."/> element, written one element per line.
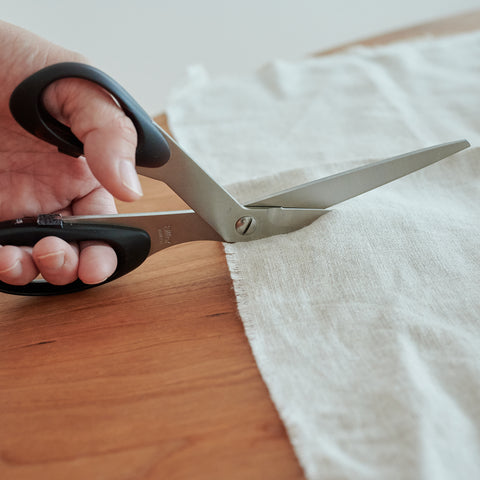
<point x="241" y="294"/>
<point x="242" y="299"/>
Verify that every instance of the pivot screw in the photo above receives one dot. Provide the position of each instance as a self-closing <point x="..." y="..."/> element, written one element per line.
<point x="245" y="225"/>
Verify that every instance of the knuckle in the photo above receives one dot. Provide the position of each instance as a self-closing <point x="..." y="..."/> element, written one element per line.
<point x="126" y="128"/>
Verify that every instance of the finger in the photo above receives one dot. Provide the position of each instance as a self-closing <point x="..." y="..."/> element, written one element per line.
<point x="108" y="135"/>
<point x="56" y="259"/>
<point x="113" y="161"/>
<point x="98" y="261"/>
<point x="16" y="265"/>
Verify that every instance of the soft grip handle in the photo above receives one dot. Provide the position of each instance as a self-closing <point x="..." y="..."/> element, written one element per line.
<point x="132" y="246"/>
<point x="29" y="111"/>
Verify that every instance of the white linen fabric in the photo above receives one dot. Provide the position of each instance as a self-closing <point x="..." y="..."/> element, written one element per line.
<point x="366" y="324"/>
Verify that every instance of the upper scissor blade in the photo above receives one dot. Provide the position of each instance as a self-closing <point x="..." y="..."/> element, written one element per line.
<point x="337" y="188"/>
<point x="199" y="191"/>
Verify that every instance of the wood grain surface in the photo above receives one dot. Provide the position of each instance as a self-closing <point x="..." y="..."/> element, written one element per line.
<point x="149" y="377"/>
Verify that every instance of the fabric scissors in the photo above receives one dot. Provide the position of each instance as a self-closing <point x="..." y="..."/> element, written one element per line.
<point x="214" y="215"/>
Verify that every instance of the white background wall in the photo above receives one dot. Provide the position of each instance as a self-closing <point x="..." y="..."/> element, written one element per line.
<point x="148" y="44"/>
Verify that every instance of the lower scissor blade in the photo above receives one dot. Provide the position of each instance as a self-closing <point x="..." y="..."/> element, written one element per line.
<point x="337" y="188"/>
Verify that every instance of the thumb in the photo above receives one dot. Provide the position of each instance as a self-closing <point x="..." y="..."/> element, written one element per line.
<point x="108" y="135"/>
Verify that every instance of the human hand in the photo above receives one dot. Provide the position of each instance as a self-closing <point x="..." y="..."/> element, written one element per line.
<point x="35" y="178"/>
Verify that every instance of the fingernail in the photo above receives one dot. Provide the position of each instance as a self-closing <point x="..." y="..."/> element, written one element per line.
<point x="53" y="260"/>
<point x="130" y="177"/>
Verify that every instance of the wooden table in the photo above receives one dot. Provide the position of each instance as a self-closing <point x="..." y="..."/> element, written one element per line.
<point x="146" y="378"/>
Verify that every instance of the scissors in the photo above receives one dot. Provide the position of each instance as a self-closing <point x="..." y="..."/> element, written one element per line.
<point x="215" y="214"/>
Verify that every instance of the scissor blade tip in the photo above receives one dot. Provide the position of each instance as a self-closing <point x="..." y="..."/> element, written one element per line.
<point x="464" y="143"/>
<point x="449" y="148"/>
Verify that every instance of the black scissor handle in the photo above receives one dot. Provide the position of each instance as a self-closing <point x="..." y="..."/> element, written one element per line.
<point x="132" y="246"/>
<point x="29" y="111"/>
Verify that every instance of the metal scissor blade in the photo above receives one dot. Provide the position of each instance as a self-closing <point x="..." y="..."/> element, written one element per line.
<point x="337" y="188"/>
<point x="172" y="228"/>
<point x="218" y="209"/>
<point x="164" y="228"/>
<point x="201" y="192"/>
